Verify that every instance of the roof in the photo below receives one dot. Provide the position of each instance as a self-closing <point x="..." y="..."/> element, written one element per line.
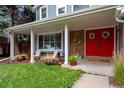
<point x="62" y="17"/>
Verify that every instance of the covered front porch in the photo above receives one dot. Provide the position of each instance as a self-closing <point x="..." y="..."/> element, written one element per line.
<point x="59" y="34"/>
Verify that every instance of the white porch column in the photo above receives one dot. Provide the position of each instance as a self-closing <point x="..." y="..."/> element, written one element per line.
<point x="12" y="45"/>
<point x="66" y="43"/>
<point x="32" y="47"/>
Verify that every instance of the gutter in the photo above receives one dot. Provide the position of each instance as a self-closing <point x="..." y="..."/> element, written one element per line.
<point x="119" y="20"/>
<point x="119" y="13"/>
<point x="62" y="18"/>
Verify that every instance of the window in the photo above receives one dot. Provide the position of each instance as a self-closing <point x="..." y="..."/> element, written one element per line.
<point x="61" y="9"/>
<point x="40" y="41"/>
<point x="79" y="7"/>
<point x="43" y="12"/>
<point x="58" y="41"/>
<point x="51" y="41"/>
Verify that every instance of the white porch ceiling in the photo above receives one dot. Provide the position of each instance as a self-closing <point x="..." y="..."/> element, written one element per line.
<point x="93" y="20"/>
<point x="100" y="19"/>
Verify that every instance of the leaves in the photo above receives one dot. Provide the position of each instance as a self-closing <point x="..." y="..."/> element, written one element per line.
<point x="22" y="14"/>
<point x="5" y="17"/>
<point x="119" y="69"/>
<point x="72" y="58"/>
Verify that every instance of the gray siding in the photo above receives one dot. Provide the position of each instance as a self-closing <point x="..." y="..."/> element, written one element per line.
<point x="69" y="8"/>
<point x="51" y="11"/>
<point x="79" y="7"/>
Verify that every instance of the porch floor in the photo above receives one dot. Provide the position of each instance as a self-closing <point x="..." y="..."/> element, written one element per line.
<point x="100" y="68"/>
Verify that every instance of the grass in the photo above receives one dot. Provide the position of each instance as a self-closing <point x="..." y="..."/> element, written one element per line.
<point x="37" y="76"/>
<point x="119" y="70"/>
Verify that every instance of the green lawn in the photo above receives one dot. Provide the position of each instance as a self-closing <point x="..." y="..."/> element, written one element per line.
<point x="36" y="76"/>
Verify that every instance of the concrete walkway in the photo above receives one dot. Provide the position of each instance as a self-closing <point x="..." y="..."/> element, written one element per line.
<point x="97" y="74"/>
<point x="101" y="68"/>
<point x="92" y="81"/>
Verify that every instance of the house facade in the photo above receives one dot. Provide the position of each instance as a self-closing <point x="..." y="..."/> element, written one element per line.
<point x="89" y="31"/>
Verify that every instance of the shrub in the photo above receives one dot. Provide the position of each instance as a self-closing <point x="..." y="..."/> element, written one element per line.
<point x="119" y="69"/>
<point x="72" y="58"/>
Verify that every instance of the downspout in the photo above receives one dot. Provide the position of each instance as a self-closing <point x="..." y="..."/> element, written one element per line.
<point x="118" y="14"/>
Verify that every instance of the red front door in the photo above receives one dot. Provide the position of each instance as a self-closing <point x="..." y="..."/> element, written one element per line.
<point x="100" y="42"/>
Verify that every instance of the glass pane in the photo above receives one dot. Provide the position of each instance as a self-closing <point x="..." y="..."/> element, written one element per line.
<point x="58" y="41"/>
<point x="58" y="37"/>
<point x="40" y="45"/>
<point x="76" y="7"/>
<point x="46" y="38"/>
<point x="47" y="45"/>
<point x="52" y="46"/>
<point x="79" y="7"/>
<point x="43" y="10"/>
<point x="58" y="45"/>
<point x="41" y="38"/>
<point x="61" y="10"/>
<point x="44" y="15"/>
<point x="41" y="41"/>
<point x="52" y="37"/>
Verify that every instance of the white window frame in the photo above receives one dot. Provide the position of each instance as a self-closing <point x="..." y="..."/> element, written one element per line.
<point x="36" y="15"/>
<point x="38" y="34"/>
<point x="44" y="6"/>
<point x="57" y="9"/>
<point x="72" y="9"/>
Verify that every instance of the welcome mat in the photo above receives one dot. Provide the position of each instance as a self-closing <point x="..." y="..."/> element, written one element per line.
<point x="98" y="60"/>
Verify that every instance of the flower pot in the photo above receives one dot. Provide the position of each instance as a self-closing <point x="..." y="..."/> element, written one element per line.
<point x="72" y="63"/>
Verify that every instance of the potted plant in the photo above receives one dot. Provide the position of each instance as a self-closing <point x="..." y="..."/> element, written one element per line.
<point x="72" y="60"/>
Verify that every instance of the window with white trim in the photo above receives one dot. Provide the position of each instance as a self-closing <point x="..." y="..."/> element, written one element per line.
<point x="79" y="7"/>
<point x="43" y="12"/>
<point x="61" y="9"/>
<point x="50" y="42"/>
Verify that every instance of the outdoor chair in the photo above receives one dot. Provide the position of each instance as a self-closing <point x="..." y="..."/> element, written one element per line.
<point x="49" y="57"/>
<point x="37" y="56"/>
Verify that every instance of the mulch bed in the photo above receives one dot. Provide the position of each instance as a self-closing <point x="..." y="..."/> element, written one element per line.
<point x="15" y="62"/>
<point x="25" y="62"/>
<point x="114" y="84"/>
